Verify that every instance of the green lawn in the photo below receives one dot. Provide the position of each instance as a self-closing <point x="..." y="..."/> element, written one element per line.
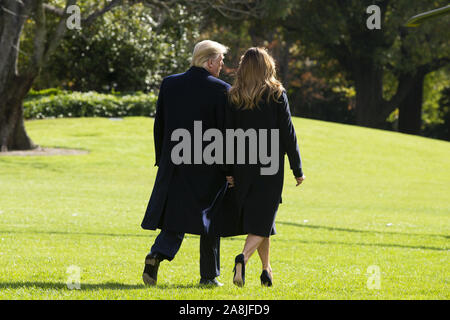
<point x="371" y="198"/>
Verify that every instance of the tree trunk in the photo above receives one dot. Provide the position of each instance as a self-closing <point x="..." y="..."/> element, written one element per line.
<point x="410" y="109"/>
<point x="13" y="88"/>
<point x="369" y="101"/>
<point x="12" y="129"/>
<point x="282" y="58"/>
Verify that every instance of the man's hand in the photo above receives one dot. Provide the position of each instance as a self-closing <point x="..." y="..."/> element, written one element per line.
<point x="230" y="181"/>
<point x="299" y="180"/>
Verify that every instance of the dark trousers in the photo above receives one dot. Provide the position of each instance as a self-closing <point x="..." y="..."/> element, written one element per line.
<point x="167" y="244"/>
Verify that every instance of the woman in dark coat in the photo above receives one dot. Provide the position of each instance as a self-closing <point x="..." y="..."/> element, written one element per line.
<point x="257" y="100"/>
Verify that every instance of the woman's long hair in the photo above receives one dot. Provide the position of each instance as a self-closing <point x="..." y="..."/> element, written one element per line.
<point x="255" y="76"/>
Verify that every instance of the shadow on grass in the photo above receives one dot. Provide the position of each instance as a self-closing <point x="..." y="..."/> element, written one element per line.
<point x="332" y="243"/>
<point x="128" y="235"/>
<point x="328" y="228"/>
<point x="374" y="244"/>
<point x="100" y="234"/>
<point x="61" y="285"/>
<point x="383" y="245"/>
<point x="95" y="286"/>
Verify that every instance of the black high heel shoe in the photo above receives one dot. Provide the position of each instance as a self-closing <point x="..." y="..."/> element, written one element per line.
<point x="239" y="270"/>
<point x="266" y="279"/>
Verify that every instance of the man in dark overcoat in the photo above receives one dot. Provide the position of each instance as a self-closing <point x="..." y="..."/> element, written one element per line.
<point x="183" y="192"/>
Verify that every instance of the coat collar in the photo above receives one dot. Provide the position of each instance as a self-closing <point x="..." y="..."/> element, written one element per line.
<point x="199" y="70"/>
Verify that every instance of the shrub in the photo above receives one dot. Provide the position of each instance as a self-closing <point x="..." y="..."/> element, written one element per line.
<point x="55" y="103"/>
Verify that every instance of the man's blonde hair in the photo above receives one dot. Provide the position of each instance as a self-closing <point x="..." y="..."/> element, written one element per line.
<point x="205" y="50"/>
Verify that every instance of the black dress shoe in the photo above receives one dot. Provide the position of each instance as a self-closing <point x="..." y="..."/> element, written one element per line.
<point x="150" y="274"/>
<point x="266" y="279"/>
<point x="239" y="270"/>
<point x="210" y="282"/>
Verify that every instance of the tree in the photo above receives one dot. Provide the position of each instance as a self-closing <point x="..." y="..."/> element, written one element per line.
<point x="128" y="50"/>
<point x="17" y="79"/>
<point x="426" y="50"/>
<point x="410" y="107"/>
<point x="435" y="114"/>
<point x="15" y="84"/>
<point x="339" y="30"/>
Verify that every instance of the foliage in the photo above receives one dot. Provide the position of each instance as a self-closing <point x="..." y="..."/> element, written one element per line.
<point x="434" y="87"/>
<point x="56" y="103"/>
<point x="317" y="45"/>
<point x="337" y="31"/>
<point x="127" y="49"/>
<point x="440" y="127"/>
<point x="315" y="90"/>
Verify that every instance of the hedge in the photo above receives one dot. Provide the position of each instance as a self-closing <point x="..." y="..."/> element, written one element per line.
<point x="56" y="103"/>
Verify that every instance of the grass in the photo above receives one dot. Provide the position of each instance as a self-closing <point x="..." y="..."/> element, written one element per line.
<point x="371" y="198"/>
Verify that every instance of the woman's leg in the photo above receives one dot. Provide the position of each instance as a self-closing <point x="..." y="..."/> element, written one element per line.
<point x="251" y="244"/>
<point x="264" y="254"/>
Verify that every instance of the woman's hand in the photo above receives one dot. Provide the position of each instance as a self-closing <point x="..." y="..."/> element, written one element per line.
<point x="230" y="181"/>
<point x="299" y="180"/>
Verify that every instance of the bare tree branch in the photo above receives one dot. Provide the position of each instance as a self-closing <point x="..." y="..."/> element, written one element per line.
<point x="45" y="44"/>
<point x="434" y="65"/>
<point x="115" y="3"/>
<point x="231" y="9"/>
<point x="61" y="29"/>
<point x="54" y="10"/>
<point x="40" y="36"/>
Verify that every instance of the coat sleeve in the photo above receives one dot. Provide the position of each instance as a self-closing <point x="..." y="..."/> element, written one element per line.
<point x="224" y="121"/>
<point x="158" y="126"/>
<point x="228" y="124"/>
<point x="288" y="136"/>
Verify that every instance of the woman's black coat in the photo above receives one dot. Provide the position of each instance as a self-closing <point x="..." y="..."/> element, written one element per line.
<point x="251" y="206"/>
<point x="182" y="193"/>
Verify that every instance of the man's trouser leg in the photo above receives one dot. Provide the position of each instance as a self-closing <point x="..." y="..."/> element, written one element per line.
<point x="167" y="244"/>
<point x="209" y="257"/>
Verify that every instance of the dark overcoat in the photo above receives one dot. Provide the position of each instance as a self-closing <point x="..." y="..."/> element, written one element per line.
<point x="183" y="192"/>
<point x="251" y="206"/>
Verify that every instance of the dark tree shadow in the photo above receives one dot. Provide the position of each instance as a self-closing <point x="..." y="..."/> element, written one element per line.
<point x="95" y="286"/>
<point x="374" y="244"/>
<point x="128" y="235"/>
<point x="383" y="245"/>
<point x="63" y="286"/>
<point x="240" y="238"/>
<point x="328" y="228"/>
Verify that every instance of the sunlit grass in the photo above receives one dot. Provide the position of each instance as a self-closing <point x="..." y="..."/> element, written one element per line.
<point x="371" y="198"/>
